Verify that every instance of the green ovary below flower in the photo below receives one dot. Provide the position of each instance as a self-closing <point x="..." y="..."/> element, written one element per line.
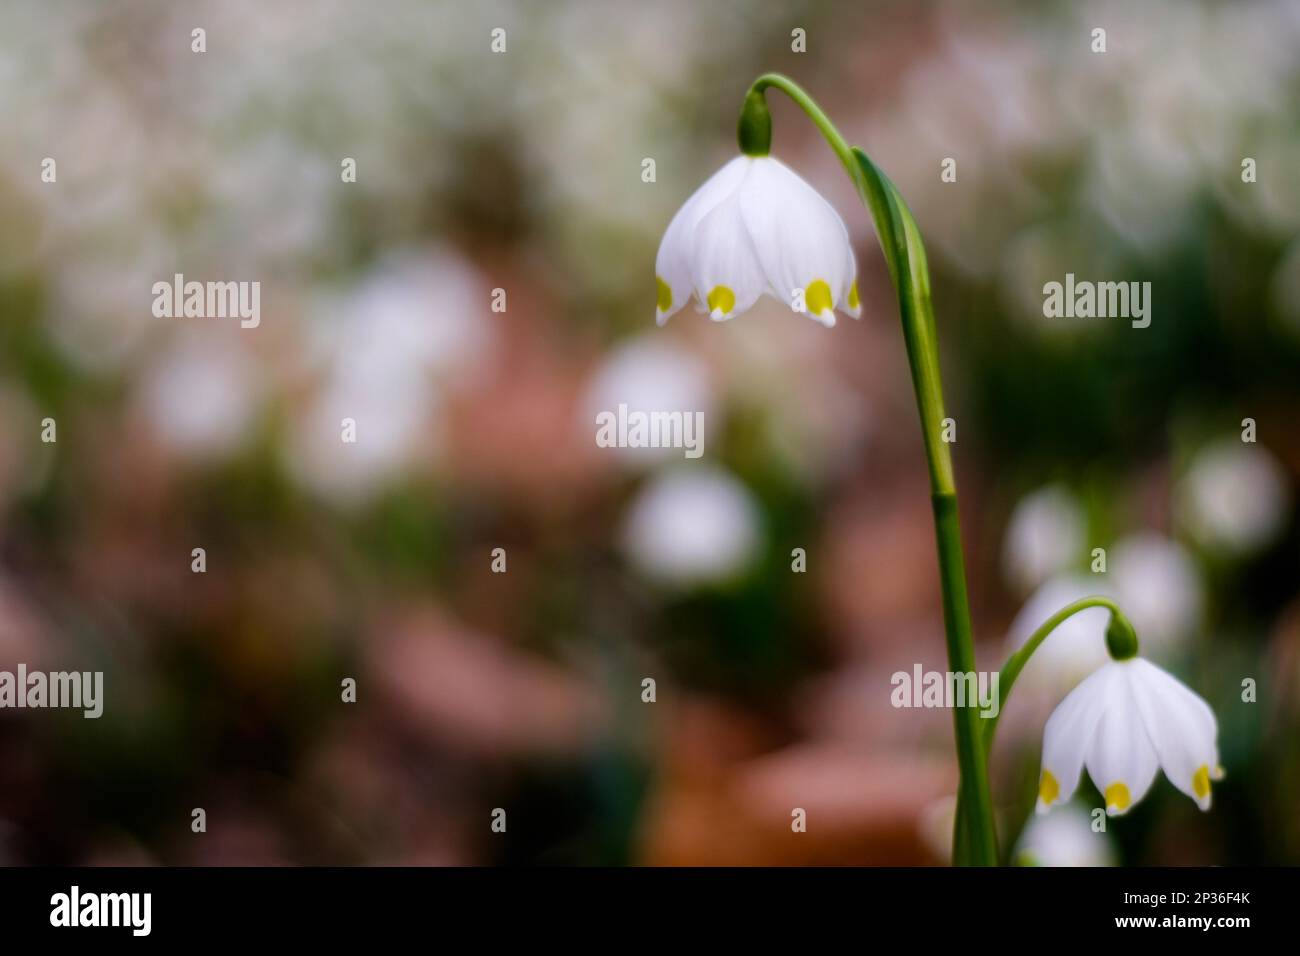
<point x="1124" y="721"/>
<point x="756" y="227"/>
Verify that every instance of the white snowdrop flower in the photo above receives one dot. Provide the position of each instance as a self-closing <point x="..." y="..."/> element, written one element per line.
<point x="395" y="425"/>
<point x="390" y="348"/>
<point x="692" y="525"/>
<point x="1077" y="646"/>
<point x="200" y="397"/>
<point x="1044" y="536"/>
<point x="415" y="313"/>
<point x="1064" y="838"/>
<point x="1123" y="722"/>
<point x="756" y="227"/>
<point x="1234" y="497"/>
<point x="1159" y="586"/>
<point x="650" y="376"/>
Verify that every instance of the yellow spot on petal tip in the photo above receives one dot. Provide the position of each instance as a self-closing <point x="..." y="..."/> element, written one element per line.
<point x="1201" y="783"/>
<point x="721" y="301"/>
<point x="664" y="294"/>
<point x="1117" y="798"/>
<point x="854" y="302"/>
<point x="817" y="297"/>
<point x="1049" y="791"/>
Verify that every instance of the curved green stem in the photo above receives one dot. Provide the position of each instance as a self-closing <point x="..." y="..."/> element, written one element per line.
<point x="1017" y="661"/>
<point x="900" y="240"/>
<point x="814" y="112"/>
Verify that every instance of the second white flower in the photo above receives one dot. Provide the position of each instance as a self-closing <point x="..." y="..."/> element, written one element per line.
<point x="756" y="227"/>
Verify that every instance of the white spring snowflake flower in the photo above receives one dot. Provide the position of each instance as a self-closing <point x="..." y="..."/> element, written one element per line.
<point x="1123" y="722"/>
<point x="757" y="227"/>
<point x="691" y="526"/>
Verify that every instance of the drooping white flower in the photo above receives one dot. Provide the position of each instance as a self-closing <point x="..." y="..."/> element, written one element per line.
<point x="756" y="227"/>
<point x="1123" y="722"/>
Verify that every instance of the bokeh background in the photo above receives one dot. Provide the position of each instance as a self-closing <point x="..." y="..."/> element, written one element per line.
<point x="523" y="171"/>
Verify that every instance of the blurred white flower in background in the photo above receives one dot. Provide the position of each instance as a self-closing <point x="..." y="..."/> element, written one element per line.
<point x="395" y="424"/>
<point x="416" y="312"/>
<point x="1158" y="585"/>
<point x="649" y="374"/>
<point x="1045" y="536"/>
<point x="200" y="395"/>
<point x="1064" y="838"/>
<point x="692" y="524"/>
<point x="1233" y="498"/>
<point x="392" y="347"/>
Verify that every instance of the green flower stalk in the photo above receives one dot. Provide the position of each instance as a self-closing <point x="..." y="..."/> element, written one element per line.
<point x="1124" y="721"/>
<point x="756" y="228"/>
<point x="900" y="240"/>
<point x="796" y="247"/>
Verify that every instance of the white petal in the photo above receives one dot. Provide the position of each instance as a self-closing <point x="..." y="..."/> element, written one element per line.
<point x="799" y="237"/>
<point x="725" y="270"/>
<point x="1121" y="760"/>
<point x="676" y="250"/>
<point x="1066" y="738"/>
<point x="1181" y="727"/>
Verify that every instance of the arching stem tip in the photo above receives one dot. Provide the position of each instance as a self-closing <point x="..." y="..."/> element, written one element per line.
<point x="755" y="128"/>
<point x="1121" y="639"/>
